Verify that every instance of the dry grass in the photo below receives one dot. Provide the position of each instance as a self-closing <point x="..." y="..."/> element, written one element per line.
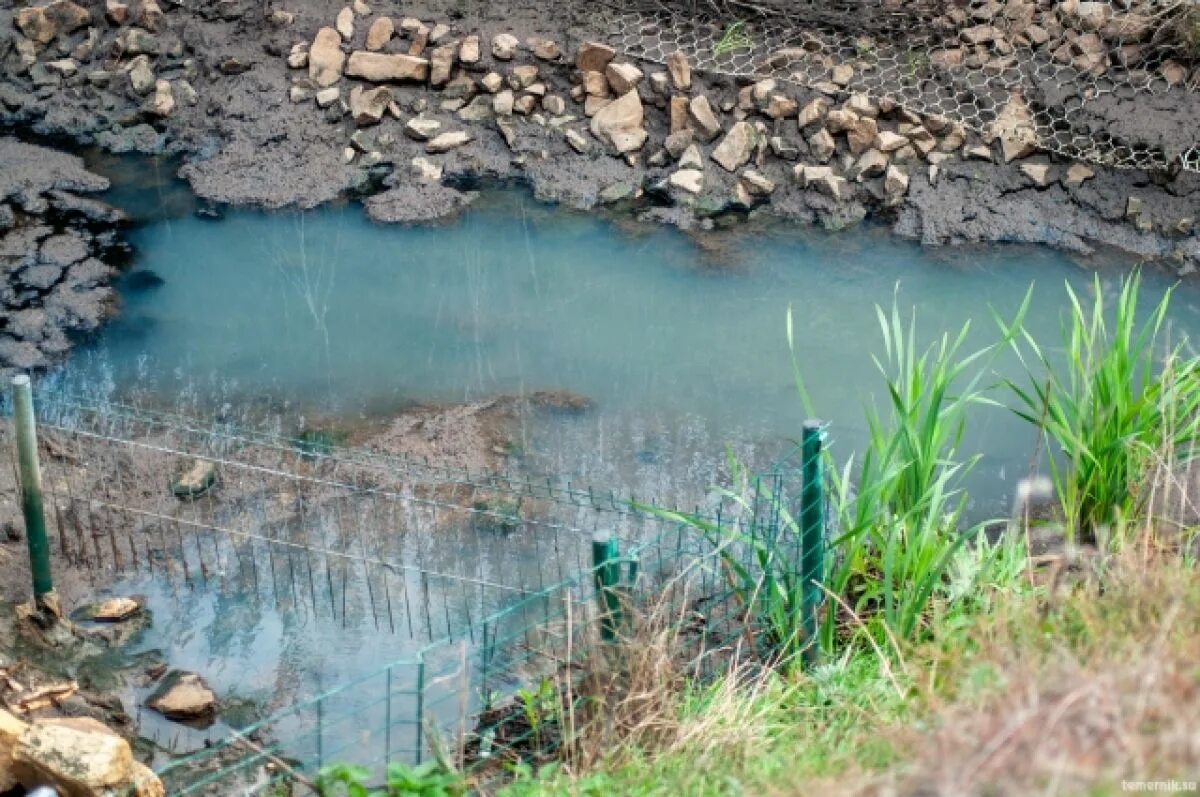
<point x="1069" y="694"/>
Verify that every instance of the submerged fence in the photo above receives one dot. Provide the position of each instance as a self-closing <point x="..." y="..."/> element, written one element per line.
<point x="497" y="584"/>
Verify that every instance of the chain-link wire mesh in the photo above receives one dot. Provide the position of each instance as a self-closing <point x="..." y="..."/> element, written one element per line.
<point x="1058" y="75"/>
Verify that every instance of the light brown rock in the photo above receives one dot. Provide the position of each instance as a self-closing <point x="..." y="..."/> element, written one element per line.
<point x="619" y="124"/>
<point x="184" y="695"/>
<point x="78" y="762"/>
<point x="737" y="147"/>
<point x="594" y="57"/>
<point x="367" y="107"/>
<point x="680" y="70"/>
<point x="325" y="58"/>
<point x="622" y="77"/>
<point x="449" y="141"/>
<point x="441" y="65"/>
<point x="505" y="46"/>
<point x="380" y="33"/>
<point x="702" y="119"/>
<point x="381" y="68"/>
<point x="345" y="23"/>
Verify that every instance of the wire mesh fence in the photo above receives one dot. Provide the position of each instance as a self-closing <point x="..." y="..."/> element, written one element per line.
<point x="500" y="584"/>
<point x="1052" y="72"/>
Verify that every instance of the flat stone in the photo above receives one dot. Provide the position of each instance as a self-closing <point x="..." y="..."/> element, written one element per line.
<point x="813" y="112"/>
<point x="421" y="128"/>
<point x="448" y="141"/>
<point x="678" y="141"/>
<point x="327" y="97"/>
<point x="821" y="145"/>
<point x="1078" y="174"/>
<point x="545" y="49"/>
<point x="895" y="181"/>
<point x="887" y="141"/>
<point x="576" y="140"/>
<point x="183" y="696"/>
<point x="345" y="23"/>
<point x="691" y="158"/>
<point x="1038" y="173"/>
<point x="367" y="107"/>
<point x="689" y="180"/>
<point x="115" y="610"/>
<point x="76" y="760"/>
<point x="872" y="163"/>
<point x="380" y="67"/>
<point x="469" y="53"/>
<point x="757" y="184"/>
<point x="524" y="76"/>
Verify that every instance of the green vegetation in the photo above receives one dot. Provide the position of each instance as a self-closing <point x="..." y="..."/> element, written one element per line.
<point x="430" y="779"/>
<point x="736" y="38"/>
<point x="952" y="662"/>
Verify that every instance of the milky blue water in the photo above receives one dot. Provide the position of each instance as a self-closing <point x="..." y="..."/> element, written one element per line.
<point x="679" y="342"/>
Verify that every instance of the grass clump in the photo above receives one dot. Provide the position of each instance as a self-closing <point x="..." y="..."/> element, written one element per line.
<point x="1118" y="398"/>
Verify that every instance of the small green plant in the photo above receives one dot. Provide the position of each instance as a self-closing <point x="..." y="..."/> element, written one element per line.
<point x="430" y="779"/>
<point x="313" y="443"/>
<point x="1112" y="406"/>
<point x="539" y="706"/>
<point x="915" y="63"/>
<point x="736" y="38"/>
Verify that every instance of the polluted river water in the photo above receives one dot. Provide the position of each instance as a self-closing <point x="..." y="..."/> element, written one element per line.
<point x="678" y="343"/>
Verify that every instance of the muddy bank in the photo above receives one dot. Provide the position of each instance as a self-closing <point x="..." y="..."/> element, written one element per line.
<point x="60" y="249"/>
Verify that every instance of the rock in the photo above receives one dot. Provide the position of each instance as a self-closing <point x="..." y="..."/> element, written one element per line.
<point x="813" y="112"/>
<point x="187" y="95"/>
<point x="978" y="152"/>
<point x="345" y="24"/>
<point x="325" y="58"/>
<point x="477" y="110"/>
<point x="691" y="158"/>
<point x="872" y="164"/>
<point x="822" y="145"/>
<point x="426" y="171"/>
<point x="544" y="49"/>
<point x="380" y="33"/>
<point x="1014" y="126"/>
<point x="502" y="103"/>
<point x="327" y="97"/>
<point x="141" y="76"/>
<point x="757" y="184"/>
<point x="505" y="46"/>
<point x="525" y="104"/>
<point x="702" y="120"/>
<point x="11" y="730"/>
<point x="622" y="77"/>
<point x="861" y="104"/>
<point x="420" y="40"/>
<point x="1173" y="72"/>
<point x="114" y="610"/>
<point x="781" y="107"/>
<point x="593" y="105"/>
<point x="78" y="760"/>
<point x="441" y="65"/>
<point x="183" y="696"/>
<point x="492" y="82"/>
<point x="690" y="180"/>
<point x="595" y="84"/>
<point x="361" y="141"/>
<point x="577" y="141"/>
<point x="554" y="105"/>
<point x="523" y="77"/>
<point x="895" y="181"/>
<point x="840" y="120"/>
<point x="737" y="147"/>
<point x="842" y="74"/>
<point x="594" y="57"/>
<point x="887" y="141"/>
<point x="1088" y="16"/>
<point x="1078" y="174"/>
<point x="823" y="179"/>
<point x="619" y="124"/>
<point x="361" y="8"/>
<point x="469" y="52"/>
<point x="367" y="107"/>
<point x="861" y="135"/>
<point x="421" y="128"/>
<point x="380" y="67"/>
<point x="449" y="141"/>
<point x="116" y="11"/>
<point x="135" y="41"/>
<point x="298" y="57"/>
<point x="163" y="102"/>
<point x="1038" y="173"/>
<point x="784" y="149"/>
<point x="678" y="141"/>
<point x="195" y="479"/>
<point x="63" y="67"/>
<point x="438" y="32"/>
<point x="680" y="70"/>
<point x="150" y="15"/>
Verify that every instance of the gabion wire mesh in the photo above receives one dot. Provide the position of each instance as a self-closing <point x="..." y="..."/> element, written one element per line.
<point x="1056" y="73"/>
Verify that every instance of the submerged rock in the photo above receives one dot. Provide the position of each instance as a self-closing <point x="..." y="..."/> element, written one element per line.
<point x="195" y="479"/>
<point x="183" y="696"/>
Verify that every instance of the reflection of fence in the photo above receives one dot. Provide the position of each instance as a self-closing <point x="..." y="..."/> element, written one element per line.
<point x="494" y="579"/>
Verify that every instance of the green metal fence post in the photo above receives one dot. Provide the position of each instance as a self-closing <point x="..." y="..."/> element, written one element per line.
<point x="607" y="568"/>
<point x="31" y="493"/>
<point x="812" y="531"/>
<point x="420" y="706"/>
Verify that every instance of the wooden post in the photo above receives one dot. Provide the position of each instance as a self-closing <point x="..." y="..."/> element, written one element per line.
<point x="31" y="494"/>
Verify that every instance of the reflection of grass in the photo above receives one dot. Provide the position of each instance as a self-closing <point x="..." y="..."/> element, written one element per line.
<point x="734" y="39"/>
<point x="319" y="442"/>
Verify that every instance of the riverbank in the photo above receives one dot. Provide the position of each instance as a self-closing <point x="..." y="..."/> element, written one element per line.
<point x="450" y="97"/>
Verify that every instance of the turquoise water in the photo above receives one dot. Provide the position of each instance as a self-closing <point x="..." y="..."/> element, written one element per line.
<point x="679" y="342"/>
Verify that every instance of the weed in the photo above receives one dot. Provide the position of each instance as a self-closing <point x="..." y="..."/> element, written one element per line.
<point x="736" y="38"/>
<point x="430" y="779"/>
